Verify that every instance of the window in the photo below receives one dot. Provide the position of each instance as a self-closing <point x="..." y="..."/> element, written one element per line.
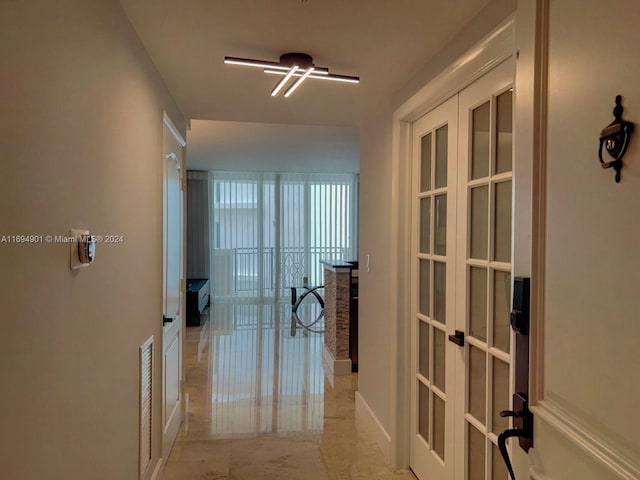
<point x="271" y="230"/>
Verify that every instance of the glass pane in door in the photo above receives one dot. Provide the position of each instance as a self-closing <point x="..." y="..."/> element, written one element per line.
<point x="478" y="303"/>
<point x="500" y="395"/>
<point x="423" y="349"/>
<point x="481" y="118"/>
<point x="442" y="153"/>
<point x="498" y="468"/>
<point x="440" y="247"/>
<point x="425" y="164"/>
<point x="439" y="292"/>
<point x="502" y="216"/>
<point x="425" y="225"/>
<point x="479" y="224"/>
<point x="504" y="132"/>
<point x="501" y="302"/>
<point x="424" y="288"/>
<point x="477" y="383"/>
<point x="423" y="411"/>
<point x="439" y="359"/>
<point x="438" y="425"/>
<point x="476" y="455"/>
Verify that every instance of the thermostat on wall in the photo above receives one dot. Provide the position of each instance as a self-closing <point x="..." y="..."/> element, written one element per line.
<point x="82" y="249"/>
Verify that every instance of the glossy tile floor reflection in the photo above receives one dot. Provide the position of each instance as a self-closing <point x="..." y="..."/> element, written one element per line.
<point x="260" y="406"/>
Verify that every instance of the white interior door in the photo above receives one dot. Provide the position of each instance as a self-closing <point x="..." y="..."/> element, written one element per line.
<point x="172" y="294"/>
<point x="462" y="209"/>
<point x="483" y="270"/>
<point x="433" y="358"/>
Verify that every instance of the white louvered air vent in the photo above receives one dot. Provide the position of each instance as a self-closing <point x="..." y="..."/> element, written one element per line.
<point x="146" y="396"/>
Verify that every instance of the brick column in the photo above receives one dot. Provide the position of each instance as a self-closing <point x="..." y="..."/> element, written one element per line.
<point x="337" y="284"/>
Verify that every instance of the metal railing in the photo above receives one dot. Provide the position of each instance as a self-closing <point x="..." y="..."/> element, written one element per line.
<point x="236" y="271"/>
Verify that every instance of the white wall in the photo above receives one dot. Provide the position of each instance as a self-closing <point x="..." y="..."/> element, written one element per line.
<point x="81" y="141"/>
<point x="586" y="327"/>
<point x="375" y="315"/>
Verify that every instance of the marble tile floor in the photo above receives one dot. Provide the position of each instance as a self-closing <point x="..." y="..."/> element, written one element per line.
<point x="260" y="406"/>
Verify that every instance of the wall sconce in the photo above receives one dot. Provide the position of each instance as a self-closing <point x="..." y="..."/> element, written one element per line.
<point x="615" y="139"/>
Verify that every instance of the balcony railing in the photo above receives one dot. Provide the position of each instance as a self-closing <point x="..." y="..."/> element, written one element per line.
<point x="237" y="271"/>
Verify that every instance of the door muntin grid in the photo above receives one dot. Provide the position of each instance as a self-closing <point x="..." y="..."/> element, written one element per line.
<point x="431" y="308"/>
<point x="490" y="342"/>
<point x="488" y="282"/>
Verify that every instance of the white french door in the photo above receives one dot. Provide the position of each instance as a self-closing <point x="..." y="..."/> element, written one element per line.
<point x="172" y="330"/>
<point x="461" y="349"/>
<point x="483" y="270"/>
<point x="435" y="139"/>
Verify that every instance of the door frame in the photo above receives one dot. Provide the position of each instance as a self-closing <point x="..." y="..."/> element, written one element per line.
<point x="492" y="50"/>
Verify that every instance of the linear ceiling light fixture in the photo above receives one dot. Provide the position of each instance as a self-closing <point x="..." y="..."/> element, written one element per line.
<point x="333" y="77"/>
<point x="284" y="80"/>
<point x="299" y="81"/>
<point x="298" y="65"/>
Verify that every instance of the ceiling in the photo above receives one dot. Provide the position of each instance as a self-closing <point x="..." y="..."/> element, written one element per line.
<point x="240" y="146"/>
<point x="384" y="42"/>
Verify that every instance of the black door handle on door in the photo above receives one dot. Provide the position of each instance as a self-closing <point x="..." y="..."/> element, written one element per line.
<point x="520" y="413"/>
<point x="457" y="338"/>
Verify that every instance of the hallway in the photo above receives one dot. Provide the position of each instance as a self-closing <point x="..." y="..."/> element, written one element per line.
<point x="260" y="407"/>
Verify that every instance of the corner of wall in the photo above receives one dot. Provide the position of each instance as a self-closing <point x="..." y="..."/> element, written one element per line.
<point x="368" y="419"/>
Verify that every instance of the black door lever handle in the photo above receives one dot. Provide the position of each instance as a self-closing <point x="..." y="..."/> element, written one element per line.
<point x="502" y="446"/>
<point x="166" y="320"/>
<point x="510" y="413"/>
<point x="457" y="338"/>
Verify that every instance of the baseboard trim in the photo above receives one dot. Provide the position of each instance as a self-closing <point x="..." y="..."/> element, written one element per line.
<point x="157" y="472"/>
<point x="335" y="367"/>
<point x="365" y="415"/>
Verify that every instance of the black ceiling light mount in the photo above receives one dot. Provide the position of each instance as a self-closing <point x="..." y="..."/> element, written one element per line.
<point x="295" y="58"/>
<point x="294" y="68"/>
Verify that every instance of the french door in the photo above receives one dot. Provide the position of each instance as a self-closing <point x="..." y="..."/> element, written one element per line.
<point x="435" y="151"/>
<point x="461" y="349"/>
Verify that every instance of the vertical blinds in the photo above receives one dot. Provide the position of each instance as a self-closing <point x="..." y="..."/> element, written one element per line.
<point x="269" y="230"/>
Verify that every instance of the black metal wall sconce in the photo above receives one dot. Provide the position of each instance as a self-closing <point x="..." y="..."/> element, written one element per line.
<point x="615" y="139"/>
